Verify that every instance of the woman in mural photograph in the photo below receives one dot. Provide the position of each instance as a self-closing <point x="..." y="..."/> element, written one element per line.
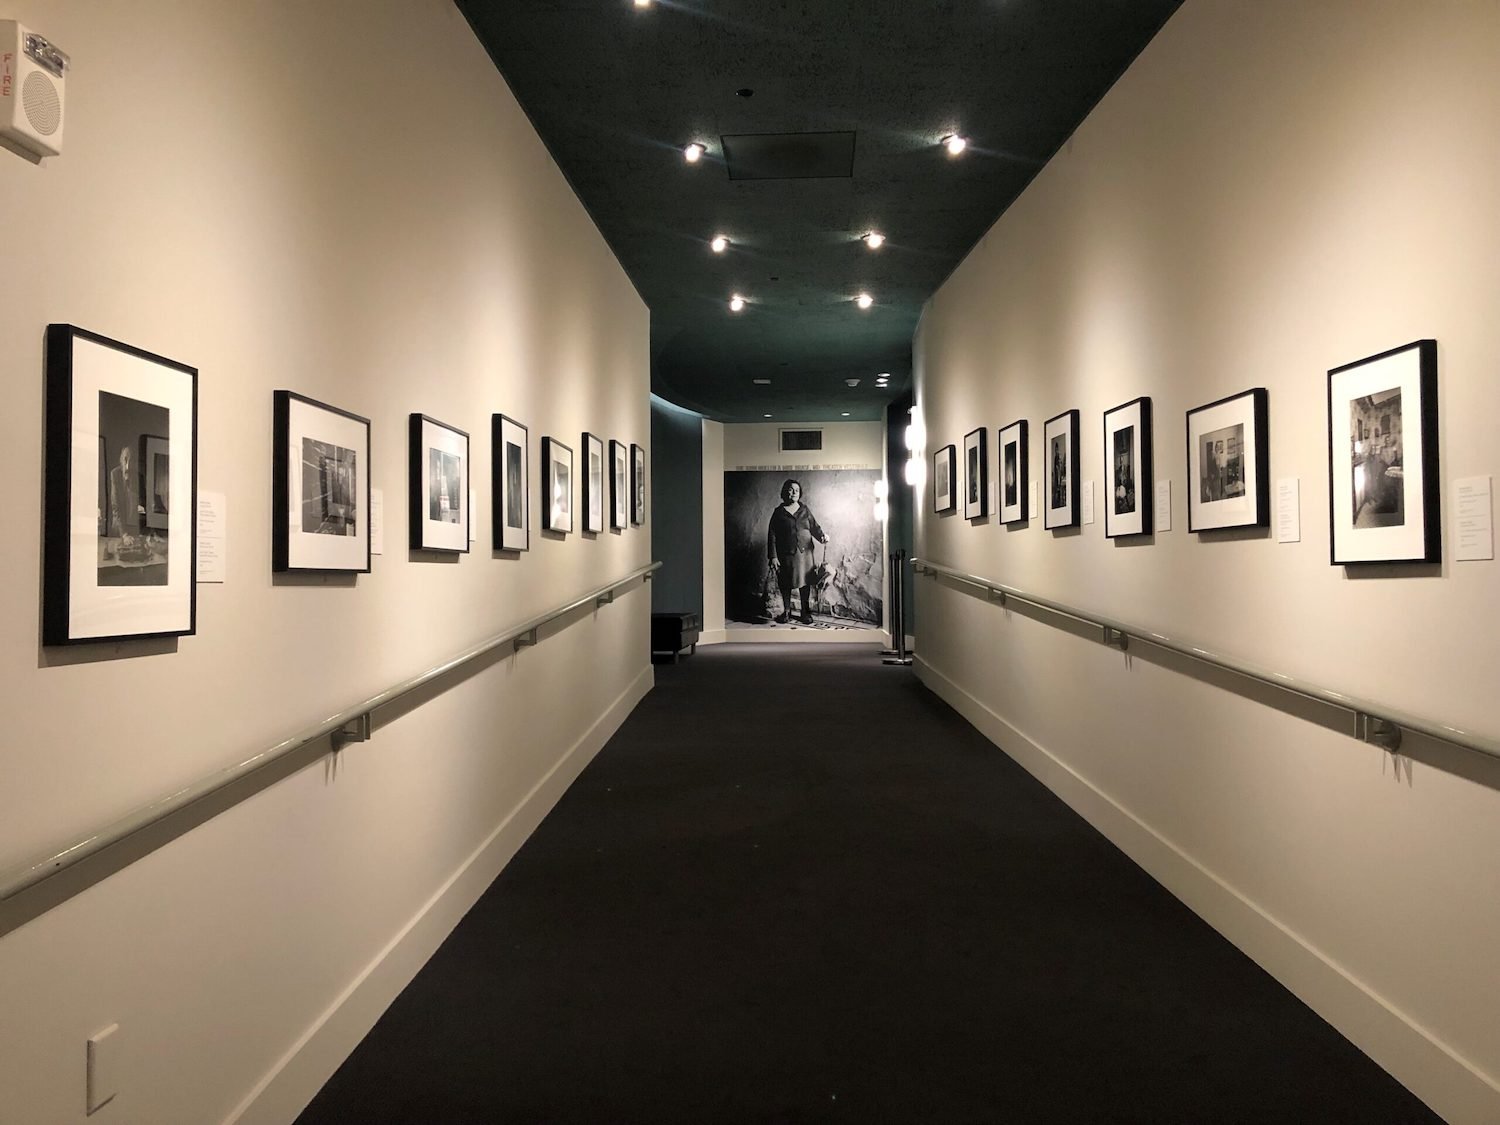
<point x="789" y="547"/>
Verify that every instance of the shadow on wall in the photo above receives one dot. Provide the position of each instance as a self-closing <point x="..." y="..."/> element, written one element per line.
<point x="843" y="503"/>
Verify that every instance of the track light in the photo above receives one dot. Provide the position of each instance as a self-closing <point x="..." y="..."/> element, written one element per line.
<point x="736" y="303"/>
<point x="874" y="240"/>
<point x="693" y="152"/>
<point x="955" y="144"/>
<point x="864" y="300"/>
<point x="719" y="244"/>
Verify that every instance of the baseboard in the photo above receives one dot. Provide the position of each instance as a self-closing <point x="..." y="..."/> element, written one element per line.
<point x="1451" y="1085"/>
<point x="712" y="636"/>
<point x="293" y="1082"/>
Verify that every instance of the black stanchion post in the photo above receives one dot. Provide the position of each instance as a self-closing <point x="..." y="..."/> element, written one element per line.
<point x="898" y="610"/>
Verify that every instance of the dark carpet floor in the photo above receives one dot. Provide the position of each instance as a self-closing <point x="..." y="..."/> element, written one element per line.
<point x="796" y="887"/>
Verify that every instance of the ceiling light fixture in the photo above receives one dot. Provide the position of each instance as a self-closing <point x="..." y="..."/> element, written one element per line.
<point x="874" y="239"/>
<point x="761" y="382"/>
<point x="643" y="3"/>
<point x="955" y="144"/>
<point x="846" y="414"/>
<point x="736" y="303"/>
<point x="693" y="152"/>
<point x="765" y="415"/>
<point x="864" y="300"/>
<point x="719" y="244"/>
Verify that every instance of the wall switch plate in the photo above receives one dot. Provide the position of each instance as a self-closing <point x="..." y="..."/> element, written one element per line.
<point x="103" y="1067"/>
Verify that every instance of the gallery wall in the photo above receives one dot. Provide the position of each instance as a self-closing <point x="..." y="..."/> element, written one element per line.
<point x="676" y="508"/>
<point x="1271" y="191"/>
<point x="263" y="192"/>
<point x="740" y="446"/>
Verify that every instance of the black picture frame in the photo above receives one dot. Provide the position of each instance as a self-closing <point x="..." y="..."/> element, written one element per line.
<point x="1014" y="446"/>
<point x="976" y="474"/>
<point x="1228" y="462"/>
<point x="619" y="486"/>
<point x="114" y="577"/>
<point x="557" y="486"/>
<point x="1129" y="477"/>
<point x="594" y="491"/>
<point x="944" y="494"/>
<point x="510" y="484"/>
<point x="438" y="486"/>
<point x="1384" y="493"/>
<point x="1060" y="466"/>
<point x="637" y="485"/>
<point x="320" y="487"/>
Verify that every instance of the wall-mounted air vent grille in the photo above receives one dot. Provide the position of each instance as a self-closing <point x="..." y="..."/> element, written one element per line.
<point x="797" y="441"/>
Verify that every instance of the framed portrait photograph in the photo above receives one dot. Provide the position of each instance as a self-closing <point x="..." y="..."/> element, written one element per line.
<point x="1015" y="477"/>
<point x="637" y="484"/>
<point x="944" y="468"/>
<point x="557" y="486"/>
<point x="976" y="475"/>
<point x="1130" y="493"/>
<point x="593" y="483"/>
<point x="1060" y="470"/>
<point x="1383" y="489"/>
<point x="510" y="468"/>
<point x="1228" y="451"/>
<point x="122" y="433"/>
<point x="619" y="491"/>
<point x="320" y="487"/>
<point x="439" y="486"/>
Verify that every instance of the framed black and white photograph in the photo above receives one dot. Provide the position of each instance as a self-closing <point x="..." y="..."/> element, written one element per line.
<point x="619" y="483"/>
<point x="1060" y="471"/>
<point x="1015" y="477"/>
<point x="557" y="486"/>
<point x="637" y="484"/>
<point x="1228" y="444"/>
<point x="976" y="474"/>
<point x="122" y="434"/>
<point x="944" y="467"/>
<point x="510" y="446"/>
<point x="1130" y="489"/>
<point x="593" y="483"/>
<point x="1383" y="494"/>
<point x="439" y="486"/>
<point x="320" y="487"/>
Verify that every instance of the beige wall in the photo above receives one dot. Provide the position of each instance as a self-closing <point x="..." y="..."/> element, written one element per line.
<point x="266" y="192"/>
<point x="1271" y="191"/>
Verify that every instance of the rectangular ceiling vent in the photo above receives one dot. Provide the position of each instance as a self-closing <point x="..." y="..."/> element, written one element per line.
<point x="798" y="441"/>
<point x="789" y="156"/>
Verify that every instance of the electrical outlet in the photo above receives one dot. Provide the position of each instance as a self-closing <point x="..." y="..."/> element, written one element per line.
<point x="103" y="1067"/>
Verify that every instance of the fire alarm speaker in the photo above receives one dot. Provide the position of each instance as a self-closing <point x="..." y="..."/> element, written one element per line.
<point x="32" y="72"/>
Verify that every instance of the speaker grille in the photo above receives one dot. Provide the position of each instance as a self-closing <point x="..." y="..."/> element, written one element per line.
<point x="42" y="105"/>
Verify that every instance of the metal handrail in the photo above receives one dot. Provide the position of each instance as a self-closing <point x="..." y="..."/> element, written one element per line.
<point x="352" y="724"/>
<point x="1373" y="722"/>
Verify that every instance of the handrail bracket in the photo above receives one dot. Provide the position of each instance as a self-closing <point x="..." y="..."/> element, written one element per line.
<point x="1377" y="731"/>
<point x="526" y="639"/>
<point x="357" y="729"/>
<point x="994" y="595"/>
<point x="606" y="598"/>
<point x="1115" y="638"/>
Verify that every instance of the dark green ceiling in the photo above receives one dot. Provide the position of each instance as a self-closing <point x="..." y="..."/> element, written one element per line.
<point x="616" y="91"/>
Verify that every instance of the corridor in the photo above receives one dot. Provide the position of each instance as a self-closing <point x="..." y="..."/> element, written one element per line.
<point x="796" y="887"/>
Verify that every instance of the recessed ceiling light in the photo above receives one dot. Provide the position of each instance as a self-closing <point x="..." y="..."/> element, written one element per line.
<point x="643" y="3"/>
<point x="745" y="92"/>
<point x="765" y="415"/>
<point x="846" y="414"/>
<point x="719" y="244"/>
<point x="874" y="239"/>
<point x="864" y="300"/>
<point x="693" y="152"/>
<point x="736" y="303"/>
<point x="761" y="382"/>
<point x="955" y="144"/>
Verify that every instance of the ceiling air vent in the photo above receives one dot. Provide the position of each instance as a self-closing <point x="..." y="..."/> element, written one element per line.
<point x="789" y="156"/>
<point x="797" y="441"/>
